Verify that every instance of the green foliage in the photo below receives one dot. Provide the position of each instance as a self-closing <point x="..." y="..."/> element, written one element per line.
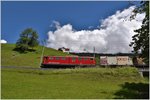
<point x="28" y="38"/>
<point x="97" y="59"/>
<point x="141" y="39"/>
<point x="81" y="83"/>
<point x="33" y="39"/>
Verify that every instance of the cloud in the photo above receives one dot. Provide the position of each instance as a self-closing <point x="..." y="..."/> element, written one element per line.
<point x="3" y="41"/>
<point x="113" y="35"/>
<point x="90" y="27"/>
<point x="55" y="24"/>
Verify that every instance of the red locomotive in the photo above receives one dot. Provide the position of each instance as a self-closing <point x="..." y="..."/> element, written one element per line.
<point x="68" y="61"/>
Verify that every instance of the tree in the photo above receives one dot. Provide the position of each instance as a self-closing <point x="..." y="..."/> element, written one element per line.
<point x="28" y="38"/>
<point x="140" y="41"/>
<point x="33" y="39"/>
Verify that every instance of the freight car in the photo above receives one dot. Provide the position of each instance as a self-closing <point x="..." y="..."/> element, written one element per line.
<point x="69" y="61"/>
<point x="115" y="61"/>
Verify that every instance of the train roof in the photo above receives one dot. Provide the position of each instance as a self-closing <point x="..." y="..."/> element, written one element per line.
<point x="105" y="54"/>
<point x="70" y="56"/>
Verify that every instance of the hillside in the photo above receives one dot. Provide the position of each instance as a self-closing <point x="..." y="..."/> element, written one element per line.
<point x="78" y="83"/>
<point x="9" y="57"/>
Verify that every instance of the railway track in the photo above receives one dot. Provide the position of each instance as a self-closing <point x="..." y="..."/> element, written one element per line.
<point x="32" y="68"/>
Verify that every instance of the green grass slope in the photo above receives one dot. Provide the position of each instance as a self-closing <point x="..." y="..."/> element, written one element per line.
<point x="79" y="83"/>
<point x="9" y="57"/>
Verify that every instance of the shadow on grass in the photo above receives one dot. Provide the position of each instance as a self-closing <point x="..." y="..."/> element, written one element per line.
<point x="133" y="91"/>
<point x="20" y="51"/>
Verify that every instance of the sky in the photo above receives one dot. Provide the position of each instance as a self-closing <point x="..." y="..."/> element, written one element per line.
<point x="59" y="22"/>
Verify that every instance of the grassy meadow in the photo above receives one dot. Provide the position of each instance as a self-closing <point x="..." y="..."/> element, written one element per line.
<point x="79" y="83"/>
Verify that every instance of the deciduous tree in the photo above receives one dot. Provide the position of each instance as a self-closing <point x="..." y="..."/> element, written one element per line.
<point x="140" y="41"/>
<point x="28" y="38"/>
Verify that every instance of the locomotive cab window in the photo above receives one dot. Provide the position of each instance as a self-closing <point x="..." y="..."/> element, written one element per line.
<point x="46" y="57"/>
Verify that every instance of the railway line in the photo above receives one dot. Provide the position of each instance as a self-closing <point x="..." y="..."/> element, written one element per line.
<point x="30" y="68"/>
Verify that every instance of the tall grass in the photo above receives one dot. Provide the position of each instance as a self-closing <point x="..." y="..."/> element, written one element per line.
<point x="119" y="71"/>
